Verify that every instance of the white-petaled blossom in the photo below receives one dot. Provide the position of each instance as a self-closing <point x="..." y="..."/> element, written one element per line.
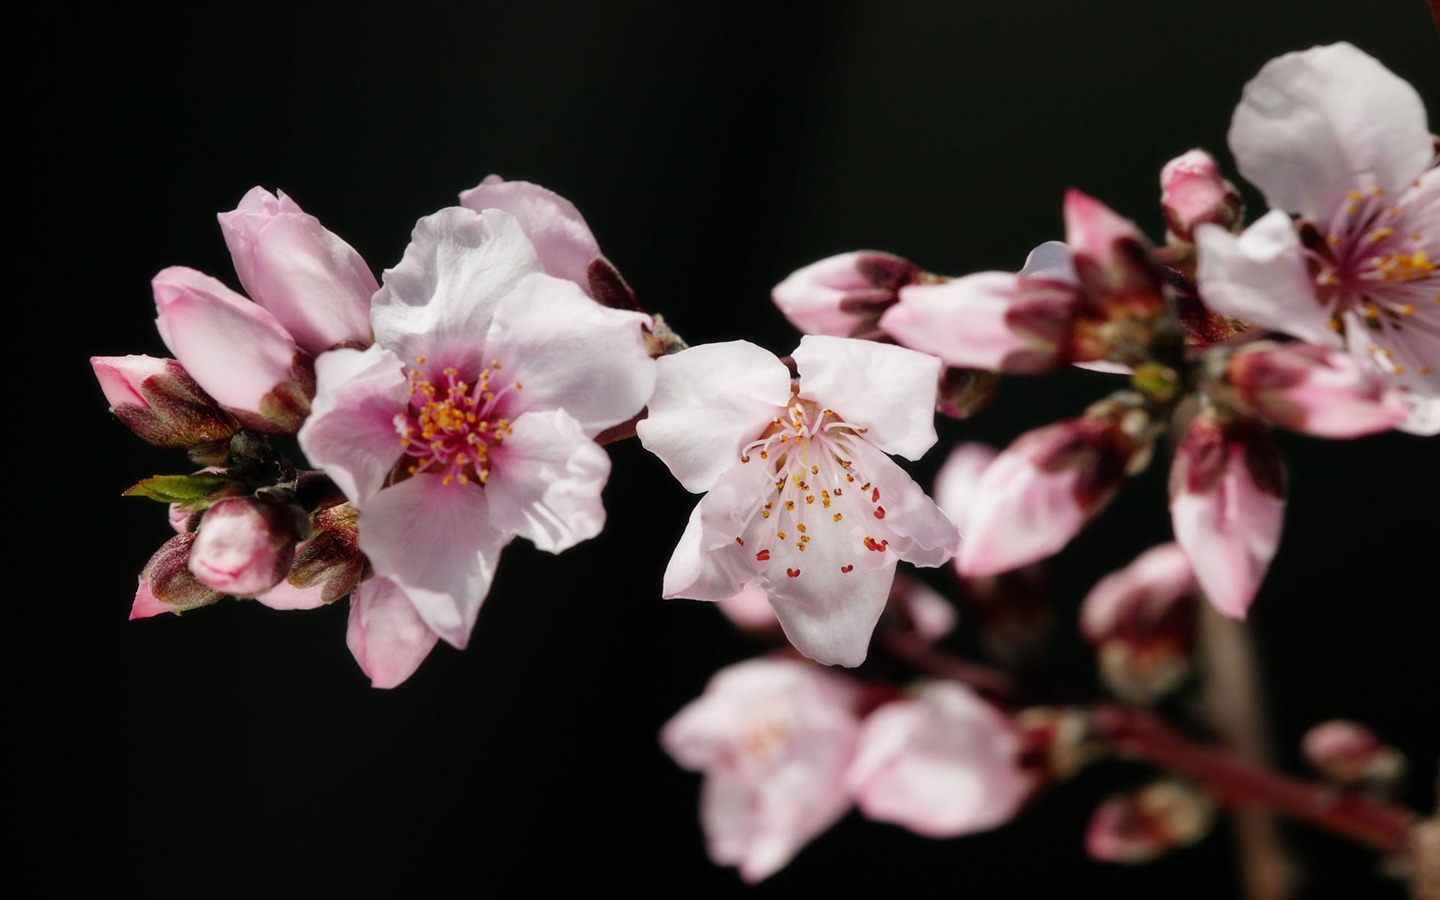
<point x="801" y="496"/>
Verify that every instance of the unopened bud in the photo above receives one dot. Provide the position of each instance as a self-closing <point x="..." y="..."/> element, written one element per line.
<point x="1192" y="191"/>
<point x="1056" y="742"/>
<point x="160" y="402"/>
<point x="1141" y="825"/>
<point x="244" y="545"/>
<point x="1348" y="753"/>
<point x="1142" y="621"/>
<point x="844" y="295"/>
<point x="1314" y="390"/>
<point x="964" y="392"/>
<point x="166" y="583"/>
<point x="332" y="554"/>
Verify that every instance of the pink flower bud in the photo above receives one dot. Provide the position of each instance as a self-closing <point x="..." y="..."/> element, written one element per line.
<point x="1315" y="390"/>
<point x="944" y="764"/>
<point x="844" y="295"/>
<point x="309" y="279"/>
<point x="1193" y="191"/>
<point x="1348" y="753"/>
<point x="750" y="609"/>
<point x="1042" y="490"/>
<point x="965" y="392"/>
<point x="160" y="402"/>
<point x="330" y="559"/>
<point x="1122" y="289"/>
<point x="1227" y="505"/>
<point x="166" y="583"/>
<point x="1141" y="825"/>
<point x="1142" y="622"/>
<point x="239" y="353"/>
<point x="244" y="546"/>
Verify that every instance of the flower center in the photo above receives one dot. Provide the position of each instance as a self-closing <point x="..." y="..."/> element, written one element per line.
<point x="450" y="424"/>
<point x="818" y="492"/>
<point x="1374" y="263"/>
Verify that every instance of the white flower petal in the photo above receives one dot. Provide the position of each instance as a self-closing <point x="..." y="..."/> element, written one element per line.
<point x="546" y="481"/>
<point x="351" y="429"/>
<point x="888" y="390"/>
<point x="385" y="633"/>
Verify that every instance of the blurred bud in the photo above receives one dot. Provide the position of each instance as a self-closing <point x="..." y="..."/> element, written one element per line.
<point x="918" y="609"/>
<point x="1141" y="825"/>
<point x="1227" y="506"/>
<point x="1350" y="754"/>
<point x="332" y="554"/>
<point x="1193" y="191"/>
<point x="160" y="402"/>
<point x="844" y="295"/>
<point x="1056" y="741"/>
<point x="1314" y="390"/>
<point x="1123" y="316"/>
<point x="943" y="764"/>
<point x="964" y="392"/>
<point x="244" y="545"/>
<point x="1142" y="620"/>
<point x="166" y="583"/>
<point x="1049" y="483"/>
<point x="750" y="610"/>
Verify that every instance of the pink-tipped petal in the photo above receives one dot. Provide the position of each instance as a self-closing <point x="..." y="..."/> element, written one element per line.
<point x="385" y="634"/>
<point x="562" y="240"/>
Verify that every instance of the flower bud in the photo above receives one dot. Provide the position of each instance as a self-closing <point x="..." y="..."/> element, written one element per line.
<point x="1056" y="741"/>
<point x="1193" y="191"/>
<point x="304" y="275"/>
<point x="844" y="295"/>
<point x="1350" y="754"/>
<point x="944" y="764"/>
<point x="166" y="583"/>
<point x="1141" y="825"/>
<point x="1227" y="505"/>
<point x="965" y="392"/>
<point x="1142" y="620"/>
<point x="1047" y="485"/>
<point x="159" y="401"/>
<point x="1314" y="390"/>
<point x="331" y="556"/>
<point x="244" y="545"/>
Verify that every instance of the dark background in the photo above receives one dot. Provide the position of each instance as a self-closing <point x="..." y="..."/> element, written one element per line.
<point x="713" y="148"/>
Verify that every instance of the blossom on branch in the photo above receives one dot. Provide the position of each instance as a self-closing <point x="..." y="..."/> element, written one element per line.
<point x="801" y="496"/>
<point x="470" y="421"/>
<point x="1336" y="139"/>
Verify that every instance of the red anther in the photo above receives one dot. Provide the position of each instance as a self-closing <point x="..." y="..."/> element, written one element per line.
<point x="879" y="512"/>
<point x="763" y="555"/>
<point x="793" y="573"/>
<point x="846" y="570"/>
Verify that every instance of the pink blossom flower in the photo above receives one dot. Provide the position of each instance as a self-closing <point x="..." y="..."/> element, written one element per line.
<point x="773" y="738"/>
<point x="1315" y="390"/>
<point x="1041" y="490"/>
<point x="844" y="295"/>
<point x="1140" y="825"/>
<point x="1332" y="136"/>
<point x="471" y="419"/>
<point x="1192" y="191"/>
<point x="801" y="496"/>
<point x="943" y="764"/>
<point x="244" y="354"/>
<point x="1227" y="507"/>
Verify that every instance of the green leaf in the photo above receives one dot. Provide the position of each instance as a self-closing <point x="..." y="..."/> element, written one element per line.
<point x="192" y="491"/>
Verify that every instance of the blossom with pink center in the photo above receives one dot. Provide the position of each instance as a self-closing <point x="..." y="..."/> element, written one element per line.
<point x="1332" y="136"/>
<point x="1227" y="507"/>
<point x="943" y="764"/>
<point x="802" y="498"/>
<point x="310" y="291"/>
<point x="471" y="420"/>
<point x="774" y="738"/>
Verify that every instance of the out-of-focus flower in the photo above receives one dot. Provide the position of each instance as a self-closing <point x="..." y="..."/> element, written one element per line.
<point x="1314" y="390"/>
<point x="244" y="545"/>
<point x="160" y="402"/>
<point x="244" y="353"/>
<point x="1227" y="506"/>
<point x="913" y="606"/>
<point x="1351" y="754"/>
<point x="1142" y="622"/>
<point x="1141" y="825"/>
<point x="844" y="295"/>
<point x="943" y="764"/>
<point x="1042" y="489"/>
<point x="1332" y="136"/>
<point x="1193" y="191"/>
<point x="471" y="419"/>
<point x="773" y="739"/>
<point x="802" y="498"/>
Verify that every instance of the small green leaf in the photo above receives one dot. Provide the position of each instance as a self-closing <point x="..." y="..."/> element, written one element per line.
<point x="193" y="491"/>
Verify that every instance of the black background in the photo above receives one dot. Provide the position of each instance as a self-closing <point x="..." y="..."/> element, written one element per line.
<point x="713" y="148"/>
